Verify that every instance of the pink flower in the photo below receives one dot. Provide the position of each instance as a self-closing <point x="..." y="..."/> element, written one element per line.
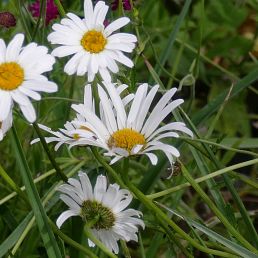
<point x="51" y="11"/>
<point x="126" y="5"/>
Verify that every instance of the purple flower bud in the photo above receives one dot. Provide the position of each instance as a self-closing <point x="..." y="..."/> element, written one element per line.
<point x="126" y="5"/>
<point x="7" y="19"/>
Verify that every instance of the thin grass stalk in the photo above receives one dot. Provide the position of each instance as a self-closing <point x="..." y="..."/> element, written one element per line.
<point x="49" y="154"/>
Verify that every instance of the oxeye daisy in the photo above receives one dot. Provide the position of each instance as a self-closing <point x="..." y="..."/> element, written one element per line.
<point x="69" y="134"/>
<point x="105" y="203"/>
<point x="93" y="45"/>
<point x="5" y="125"/>
<point x="21" y="76"/>
<point x="138" y="131"/>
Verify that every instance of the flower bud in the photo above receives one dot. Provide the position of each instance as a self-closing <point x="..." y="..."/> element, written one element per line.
<point x="7" y="19"/>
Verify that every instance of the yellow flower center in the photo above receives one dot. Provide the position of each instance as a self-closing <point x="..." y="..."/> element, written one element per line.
<point x="11" y="76"/>
<point x="126" y="139"/>
<point x="93" y="41"/>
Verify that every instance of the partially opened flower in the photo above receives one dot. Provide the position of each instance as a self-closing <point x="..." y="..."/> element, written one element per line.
<point x="21" y="76"/>
<point x="5" y="125"/>
<point x="105" y="203"/>
<point x="138" y="132"/>
<point x="94" y="47"/>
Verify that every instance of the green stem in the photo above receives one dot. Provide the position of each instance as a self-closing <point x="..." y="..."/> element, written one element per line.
<point x="60" y="8"/>
<point x="203" y="178"/>
<point x="12" y="184"/>
<point x="97" y="242"/>
<point x="216" y="211"/>
<point x="70" y="241"/>
<point x="50" y="156"/>
<point x="36" y="180"/>
<point x="218" y="145"/>
<point x="125" y="249"/>
<point x="109" y="169"/>
<point x="142" y="251"/>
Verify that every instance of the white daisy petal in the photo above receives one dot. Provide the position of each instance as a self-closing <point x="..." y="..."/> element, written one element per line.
<point x="5" y="125"/>
<point x="66" y="50"/>
<point x="115" y="25"/>
<point x="64" y="216"/>
<point x="5" y="104"/>
<point x="2" y="51"/>
<point x="29" y="112"/>
<point x="86" y="186"/>
<point x="88" y="11"/>
<point x="14" y="48"/>
<point x="100" y="188"/>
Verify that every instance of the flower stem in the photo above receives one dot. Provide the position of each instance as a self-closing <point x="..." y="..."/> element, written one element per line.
<point x="12" y="184"/>
<point x="97" y="242"/>
<point x="109" y="169"/>
<point x="59" y="172"/>
<point x="125" y="249"/>
<point x="60" y="8"/>
<point x="69" y="241"/>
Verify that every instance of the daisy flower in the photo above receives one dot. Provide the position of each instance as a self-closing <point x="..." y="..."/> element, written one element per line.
<point x="5" y="125"/>
<point x="21" y="76"/>
<point x="123" y="133"/>
<point x="93" y="46"/>
<point x="107" y="203"/>
<point x="69" y="134"/>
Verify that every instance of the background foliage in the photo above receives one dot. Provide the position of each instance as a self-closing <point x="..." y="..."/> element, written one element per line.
<point x="209" y="50"/>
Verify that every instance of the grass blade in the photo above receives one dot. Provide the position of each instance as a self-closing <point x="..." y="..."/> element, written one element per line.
<point x="215" y="104"/>
<point x="239" y="250"/>
<point x="33" y="196"/>
<point x="173" y="34"/>
<point x="14" y="236"/>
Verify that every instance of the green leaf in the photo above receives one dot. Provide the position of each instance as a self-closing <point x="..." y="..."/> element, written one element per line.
<point x="167" y="50"/>
<point x="14" y="236"/>
<point x="33" y="196"/>
<point x="238" y="249"/>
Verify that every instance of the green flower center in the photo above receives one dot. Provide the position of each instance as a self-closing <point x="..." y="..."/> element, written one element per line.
<point x="93" y="210"/>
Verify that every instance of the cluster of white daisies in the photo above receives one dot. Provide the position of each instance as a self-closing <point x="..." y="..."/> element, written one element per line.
<point x="121" y="123"/>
